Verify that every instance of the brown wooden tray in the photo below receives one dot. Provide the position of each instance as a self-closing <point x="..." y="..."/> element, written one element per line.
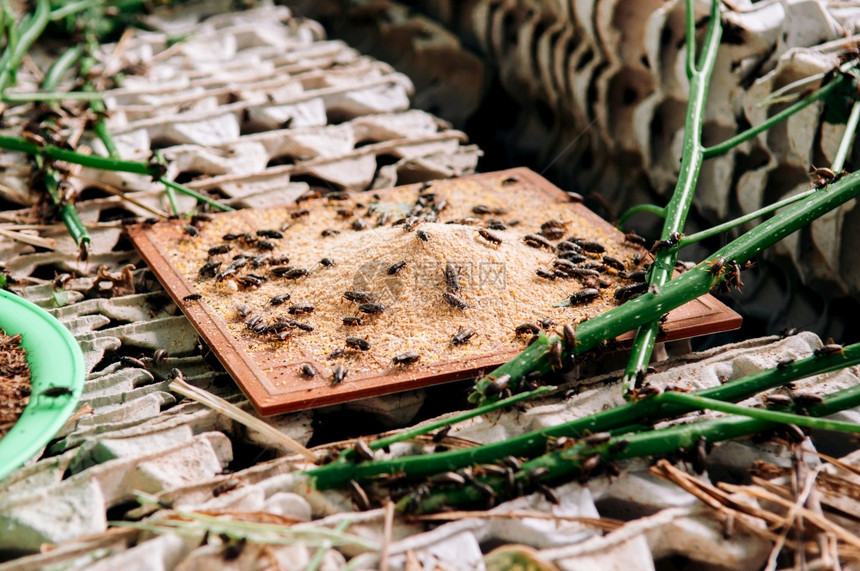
<point x="274" y="384"/>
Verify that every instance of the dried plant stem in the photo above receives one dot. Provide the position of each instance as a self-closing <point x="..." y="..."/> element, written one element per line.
<point x="232" y="411"/>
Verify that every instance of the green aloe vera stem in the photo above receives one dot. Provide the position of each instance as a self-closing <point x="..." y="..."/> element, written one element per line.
<point x="686" y="287"/>
<point x="682" y="197"/>
<point x="567" y="463"/>
<point x="534" y="443"/>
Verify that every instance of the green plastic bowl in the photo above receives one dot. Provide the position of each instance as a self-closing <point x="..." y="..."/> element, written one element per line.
<point x="56" y="365"/>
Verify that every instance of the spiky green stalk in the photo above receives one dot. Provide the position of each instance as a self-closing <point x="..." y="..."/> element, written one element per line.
<point x="682" y="197"/>
<point x="534" y="443"/>
<point x="566" y="464"/>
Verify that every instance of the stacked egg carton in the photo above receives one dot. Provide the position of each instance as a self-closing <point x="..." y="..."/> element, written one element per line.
<point x="132" y="436"/>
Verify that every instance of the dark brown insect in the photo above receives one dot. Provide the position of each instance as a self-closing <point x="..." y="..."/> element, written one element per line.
<point x="546" y="274"/>
<point x="527" y="329"/>
<point x="424" y="236"/>
<point x="489" y="236"/>
<point x="209" y="269"/>
<point x="639" y="276"/>
<point x="302" y="326"/>
<point x="359" y="224"/>
<point x="555" y="355"/>
<point x="371" y="308"/>
<point x="452" y="277"/>
<point x="546" y="323"/>
<point x="273" y="234"/>
<point x="787" y="332"/>
<point x="778" y="399"/>
<point x="358" y="343"/>
<point x="495" y="224"/>
<point x="440" y="435"/>
<point x="359" y="496"/>
<point x="536" y="241"/>
<point x="568" y="246"/>
<point x="329" y="232"/>
<point x="717" y="266"/>
<point x="448" y="479"/>
<point x="462" y="336"/>
<point x="159" y="357"/>
<point x="784" y="363"/>
<point x="192" y="297"/>
<point x="362" y="451"/>
<point x="132" y="362"/>
<point x="568" y="333"/>
<point x="396" y="267"/>
<point x="498" y="385"/>
<point x="338" y="375"/>
<point x="221" y="249"/>
<point x="249" y="281"/>
<point x="337" y="195"/>
<point x="583" y="296"/>
<point x="327" y="262"/>
<point x="669" y="242"/>
<point x="306" y="195"/>
<point x="261" y="260"/>
<point x="300" y="308"/>
<point x="589" y="246"/>
<point x="635" y="238"/>
<point x="573" y="257"/>
<point x="627" y="292"/>
<point x="230" y="237"/>
<point x="597" y="439"/>
<point x="281" y="271"/>
<point x="481" y="210"/>
<point x="829" y="349"/>
<point x="613" y="263"/>
<point x="411" y="223"/>
<point x="54" y="392"/>
<point x="191" y="230"/>
<point x="308" y="370"/>
<point x="295" y="274"/>
<point x="588" y="466"/>
<point x="300" y="213"/>
<point x="357" y="296"/>
<point x="406" y="358"/>
<point x="807" y="399"/>
<point x="823" y="176"/>
<point x="350" y="321"/>
<point x="226" y="486"/>
<point x="345" y="212"/>
<point x="552" y="232"/>
<point x="454" y="301"/>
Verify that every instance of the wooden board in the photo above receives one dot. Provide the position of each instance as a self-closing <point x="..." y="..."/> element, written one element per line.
<point x="271" y="377"/>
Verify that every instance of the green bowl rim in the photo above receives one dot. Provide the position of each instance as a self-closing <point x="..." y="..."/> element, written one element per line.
<point x="56" y="361"/>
